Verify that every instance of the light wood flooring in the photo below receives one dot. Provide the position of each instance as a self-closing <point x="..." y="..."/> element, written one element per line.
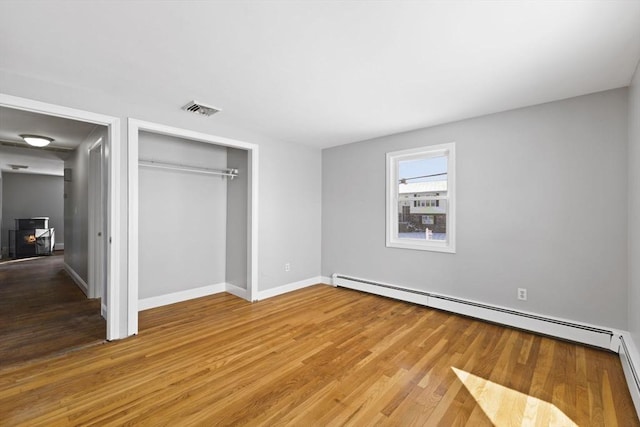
<point x="42" y="312"/>
<point x="320" y="356"/>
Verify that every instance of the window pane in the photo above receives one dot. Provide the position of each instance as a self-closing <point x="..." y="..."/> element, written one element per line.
<point x="427" y="169"/>
<point x="424" y="219"/>
<point x="423" y="223"/>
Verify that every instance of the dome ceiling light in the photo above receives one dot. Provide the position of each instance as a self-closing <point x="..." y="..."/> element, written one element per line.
<point x="37" y="140"/>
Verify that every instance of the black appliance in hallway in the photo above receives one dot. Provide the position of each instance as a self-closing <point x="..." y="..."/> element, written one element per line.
<point x="31" y="237"/>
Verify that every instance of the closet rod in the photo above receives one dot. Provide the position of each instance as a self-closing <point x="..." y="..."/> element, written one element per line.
<point x="232" y="173"/>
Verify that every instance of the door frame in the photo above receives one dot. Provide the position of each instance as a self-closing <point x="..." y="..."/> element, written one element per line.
<point x="96" y="218"/>
<point x="113" y="160"/>
<point x="134" y="128"/>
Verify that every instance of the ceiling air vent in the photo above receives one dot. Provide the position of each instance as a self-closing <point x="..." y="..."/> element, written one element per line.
<point x="18" y="167"/>
<point x="198" y="108"/>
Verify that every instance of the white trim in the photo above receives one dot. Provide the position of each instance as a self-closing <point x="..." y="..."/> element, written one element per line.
<point x="59" y="246"/>
<point x="630" y="359"/>
<point x="95" y="144"/>
<point x="189" y="134"/>
<point x="237" y="291"/>
<point x="268" y="293"/>
<point x="326" y="280"/>
<point x="392" y="160"/>
<point x="94" y="275"/>
<point x="113" y="168"/>
<point x="113" y="233"/>
<point x="132" y="229"/>
<point x="548" y="325"/>
<point x="134" y="128"/>
<point x="174" y="297"/>
<point x="77" y="279"/>
<point x="252" y="223"/>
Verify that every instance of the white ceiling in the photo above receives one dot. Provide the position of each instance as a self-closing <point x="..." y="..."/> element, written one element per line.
<point x="67" y="135"/>
<point x="325" y="73"/>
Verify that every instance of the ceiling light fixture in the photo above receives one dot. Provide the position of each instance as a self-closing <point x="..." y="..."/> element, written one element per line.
<point x="37" y="140"/>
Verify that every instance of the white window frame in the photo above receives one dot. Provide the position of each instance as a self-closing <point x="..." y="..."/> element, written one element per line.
<point x="393" y="159"/>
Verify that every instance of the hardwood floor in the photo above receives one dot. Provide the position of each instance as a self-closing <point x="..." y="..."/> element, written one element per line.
<point x="42" y="312"/>
<point x="319" y="356"/>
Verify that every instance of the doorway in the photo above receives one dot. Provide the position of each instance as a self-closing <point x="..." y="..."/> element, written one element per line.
<point x="110" y="167"/>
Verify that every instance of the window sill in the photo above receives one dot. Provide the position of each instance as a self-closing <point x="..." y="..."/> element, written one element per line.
<point x="422" y="245"/>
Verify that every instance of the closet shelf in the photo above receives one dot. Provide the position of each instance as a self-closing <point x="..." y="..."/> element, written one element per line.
<point x="231" y="173"/>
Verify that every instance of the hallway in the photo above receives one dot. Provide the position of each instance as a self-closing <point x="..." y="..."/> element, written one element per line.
<point x="43" y="312"/>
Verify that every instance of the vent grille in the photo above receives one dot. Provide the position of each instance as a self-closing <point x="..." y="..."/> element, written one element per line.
<point x="198" y="108"/>
<point x="18" y="167"/>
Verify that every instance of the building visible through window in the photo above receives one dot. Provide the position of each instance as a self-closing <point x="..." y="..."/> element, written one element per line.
<point x="423" y="198"/>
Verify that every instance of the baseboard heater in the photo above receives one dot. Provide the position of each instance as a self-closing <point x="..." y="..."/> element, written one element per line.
<point x="559" y="328"/>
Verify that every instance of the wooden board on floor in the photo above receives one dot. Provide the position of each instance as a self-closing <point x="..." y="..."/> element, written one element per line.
<point x="42" y="312"/>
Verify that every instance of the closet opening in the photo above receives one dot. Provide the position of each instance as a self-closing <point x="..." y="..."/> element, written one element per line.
<point x="193" y="216"/>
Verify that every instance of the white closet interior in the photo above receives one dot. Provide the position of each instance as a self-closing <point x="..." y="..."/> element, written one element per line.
<point x="192" y="221"/>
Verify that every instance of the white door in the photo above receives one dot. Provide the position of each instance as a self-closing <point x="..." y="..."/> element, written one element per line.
<point x="97" y="226"/>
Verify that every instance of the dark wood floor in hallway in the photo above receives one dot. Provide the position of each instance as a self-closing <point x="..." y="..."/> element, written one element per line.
<point x="43" y="312"/>
<point x="319" y="356"/>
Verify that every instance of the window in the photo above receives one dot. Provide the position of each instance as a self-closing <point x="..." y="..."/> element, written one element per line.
<point x="421" y="198"/>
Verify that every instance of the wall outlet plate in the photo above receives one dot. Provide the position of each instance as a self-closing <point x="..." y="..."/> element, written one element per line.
<point x="522" y="294"/>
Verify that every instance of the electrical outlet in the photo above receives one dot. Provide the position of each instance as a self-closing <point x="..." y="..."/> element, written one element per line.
<point x="522" y="294"/>
<point x="287" y="267"/>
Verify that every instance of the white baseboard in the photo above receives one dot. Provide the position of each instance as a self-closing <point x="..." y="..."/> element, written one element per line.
<point x="77" y="279"/>
<point x="58" y="246"/>
<point x="268" y="293"/>
<point x="237" y="291"/>
<point x="571" y="330"/>
<point x="166" y="299"/>
<point x="326" y="280"/>
<point x="160" y="300"/>
<point x="630" y="359"/>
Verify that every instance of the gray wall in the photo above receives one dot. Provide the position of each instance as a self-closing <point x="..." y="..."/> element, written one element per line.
<point x="182" y="217"/>
<point x="290" y="211"/>
<point x="237" y="216"/>
<point x="634" y="208"/>
<point x="27" y="195"/>
<point x="76" y="205"/>
<point x="541" y="204"/>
